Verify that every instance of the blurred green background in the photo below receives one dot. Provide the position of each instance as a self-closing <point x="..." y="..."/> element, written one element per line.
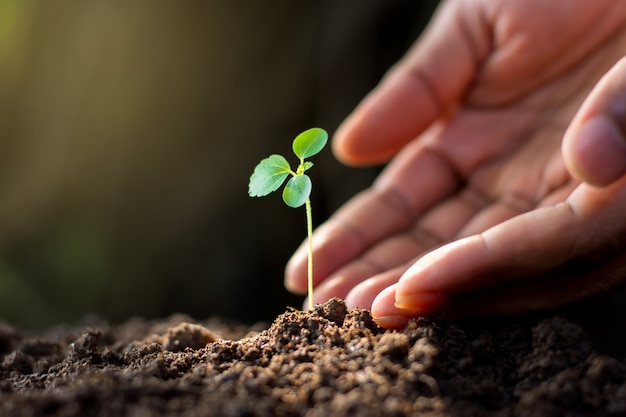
<point x="128" y="132"/>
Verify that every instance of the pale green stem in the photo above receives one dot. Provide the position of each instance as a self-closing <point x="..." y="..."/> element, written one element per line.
<point x="309" y="227"/>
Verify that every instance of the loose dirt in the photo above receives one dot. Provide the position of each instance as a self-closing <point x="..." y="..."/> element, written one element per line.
<point x="329" y="362"/>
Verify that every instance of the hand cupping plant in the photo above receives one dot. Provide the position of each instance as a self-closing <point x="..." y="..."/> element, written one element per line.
<point x="272" y="172"/>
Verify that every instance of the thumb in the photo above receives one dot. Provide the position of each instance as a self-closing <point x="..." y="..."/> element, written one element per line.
<point x="594" y="145"/>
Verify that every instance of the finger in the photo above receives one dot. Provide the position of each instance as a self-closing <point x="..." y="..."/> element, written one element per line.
<point x="363" y="294"/>
<point x="360" y="294"/>
<point x="387" y="315"/>
<point x="594" y="146"/>
<point x="584" y="231"/>
<point x="417" y="90"/>
<point x="546" y="292"/>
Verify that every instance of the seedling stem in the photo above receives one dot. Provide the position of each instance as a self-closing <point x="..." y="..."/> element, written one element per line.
<point x="309" y="229"/>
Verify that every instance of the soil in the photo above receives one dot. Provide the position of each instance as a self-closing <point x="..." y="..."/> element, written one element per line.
<point x="329" y="362"/>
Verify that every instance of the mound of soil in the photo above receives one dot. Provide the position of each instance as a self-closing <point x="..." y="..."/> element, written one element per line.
<point x="329" y="362"/>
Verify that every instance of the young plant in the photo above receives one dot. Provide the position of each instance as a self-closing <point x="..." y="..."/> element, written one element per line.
<point x="271" y="173"/>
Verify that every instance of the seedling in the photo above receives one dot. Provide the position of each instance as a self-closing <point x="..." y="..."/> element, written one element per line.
<point x="271" y="173"/>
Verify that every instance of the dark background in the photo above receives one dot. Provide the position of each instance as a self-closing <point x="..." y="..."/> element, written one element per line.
<point x="128" y="132"/>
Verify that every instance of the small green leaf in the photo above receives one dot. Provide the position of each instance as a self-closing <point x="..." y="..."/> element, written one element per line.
<point x="309" y="142"/>
<point x="268" y="175"/>
<point x="297" y="190"/>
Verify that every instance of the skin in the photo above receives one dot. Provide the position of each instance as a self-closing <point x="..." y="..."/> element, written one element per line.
<point x="506" y="188"/>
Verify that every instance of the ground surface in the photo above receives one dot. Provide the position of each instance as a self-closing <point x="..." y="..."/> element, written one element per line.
<point x="331" y="362"/>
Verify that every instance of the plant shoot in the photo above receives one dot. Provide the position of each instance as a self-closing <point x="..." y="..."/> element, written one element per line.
<point x="272" y="172"/>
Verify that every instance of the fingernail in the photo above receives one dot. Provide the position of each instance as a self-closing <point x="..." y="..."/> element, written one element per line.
<point x="423" y="303"/>
<point x="392" y="322"/>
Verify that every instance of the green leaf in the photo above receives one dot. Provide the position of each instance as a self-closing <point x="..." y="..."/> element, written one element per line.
<point x="268" y="175"/>
<point x="309" y="142"/>
<point x="297" y="190"/>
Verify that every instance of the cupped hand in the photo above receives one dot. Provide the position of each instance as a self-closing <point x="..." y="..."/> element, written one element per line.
<point x="485" y="207"/>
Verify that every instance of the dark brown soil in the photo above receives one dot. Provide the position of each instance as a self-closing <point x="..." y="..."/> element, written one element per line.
<point x="331" y="362"/>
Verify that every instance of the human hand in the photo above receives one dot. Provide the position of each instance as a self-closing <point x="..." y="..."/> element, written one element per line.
<point x="478" y="213"/>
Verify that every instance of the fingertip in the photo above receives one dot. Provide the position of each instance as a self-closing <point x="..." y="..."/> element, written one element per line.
<point x="415" y="290"/>
<point x="356" y="298"/>
<point x="385" y="312"/>
<point x="594" y="145"/>
<point x="595" y="151"/>
<point x="358" y="141"/>
<point x="392" y="115"/>
<point x="294" y="288"/>
<point x="384" y="303"/>
<point x="363" y="294"/>
<point x="294" y="270"/>
<point x="341" y="144"/>
<point x="432" y="272"/>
